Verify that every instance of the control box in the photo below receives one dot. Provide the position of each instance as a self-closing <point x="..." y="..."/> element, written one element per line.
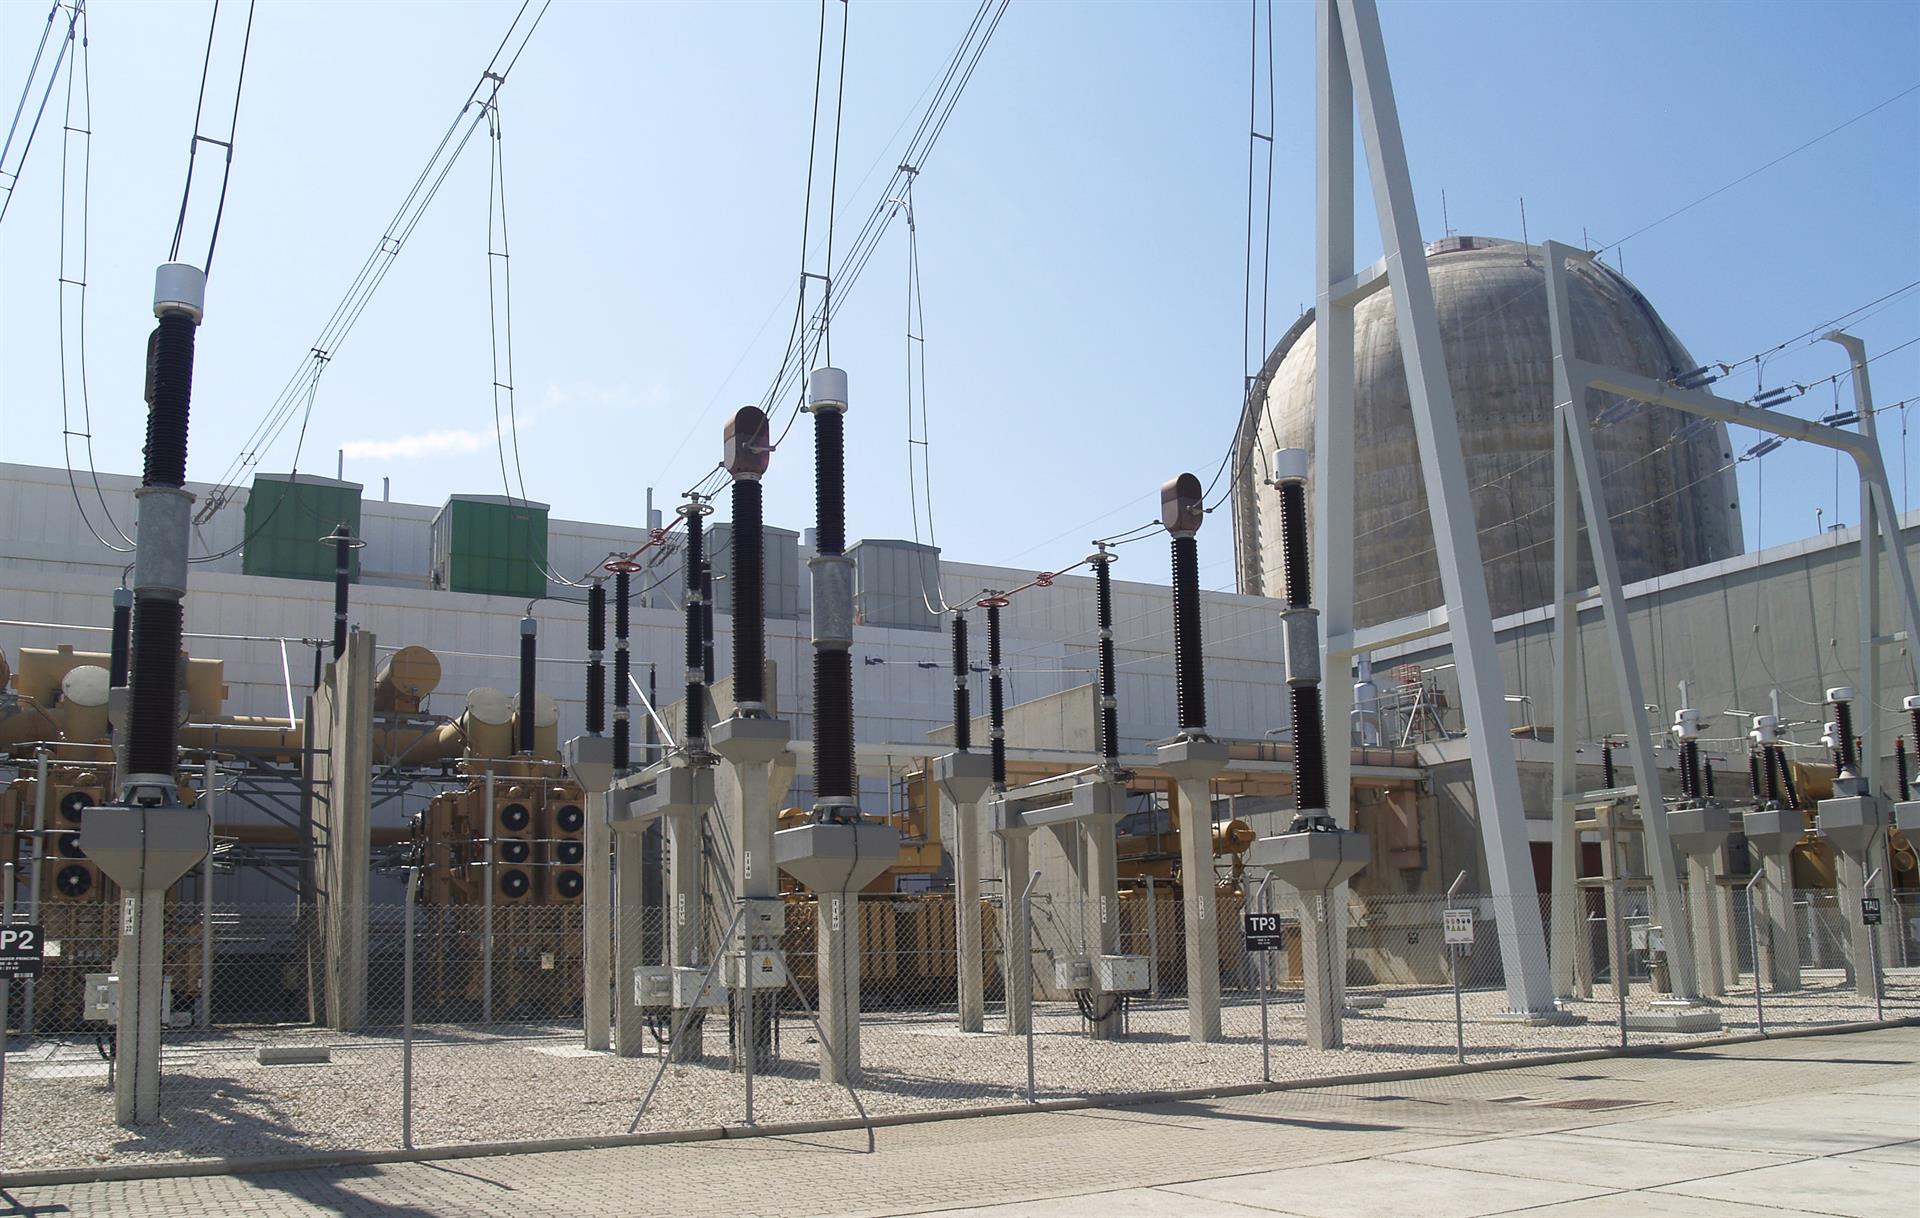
<point x="761" y="970"/>
<point x="766" y="917"/>
<point x="1072" y="973"/>
<point x="1121" y="974"/>
<point x="103" y="999"/>
<point x="694" y="987"/>
<point x="653" y="986"/>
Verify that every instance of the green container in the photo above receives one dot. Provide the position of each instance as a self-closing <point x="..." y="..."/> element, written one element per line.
<point x="491" y="545"/>
<point x="285" y="519"/>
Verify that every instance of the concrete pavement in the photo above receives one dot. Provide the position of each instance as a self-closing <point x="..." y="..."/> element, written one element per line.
<point x="1824" y="1125"/>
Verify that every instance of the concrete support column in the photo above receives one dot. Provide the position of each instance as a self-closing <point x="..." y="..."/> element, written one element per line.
<point x="838" y="942"/>
<point x="596" y="896"/>
<point x="346" y="859"/>
<point x="1016" y="959"/>
<point x="1568" y="942"/>
<point x="1099" y="880"/>
<point x="1193" y="763"/>
<point x="1323" y="1000"/>
<point x="590" y="761"/>
<point x="748" y="748"/>
<point x="964" y="779"/>
<point x="686" y="917"/>
<point x="1772" y="832"/>
<point x="142" y="972"/>
<point x="835" y="860"/>
<point x="1850" y="876"/>
<point x="630" y="938"/>
<point x="1703" y="916"/>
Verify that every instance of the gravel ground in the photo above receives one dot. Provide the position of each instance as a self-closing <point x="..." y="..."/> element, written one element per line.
<point x="532" y="1082"/>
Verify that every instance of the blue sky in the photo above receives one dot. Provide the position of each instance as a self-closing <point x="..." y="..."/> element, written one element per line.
<point x="1081" y="229"/>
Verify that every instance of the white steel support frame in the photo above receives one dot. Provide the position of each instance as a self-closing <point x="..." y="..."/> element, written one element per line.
<point x="1577" y="471"/>
<point x="1879" y="524"/>
<point x="1353" y="71"/>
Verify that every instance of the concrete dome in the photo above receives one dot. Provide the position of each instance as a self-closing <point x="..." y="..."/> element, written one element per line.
<point x="1674" y="502"/>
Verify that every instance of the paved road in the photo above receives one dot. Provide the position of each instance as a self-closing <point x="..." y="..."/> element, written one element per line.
<point x="1821" y="1125"/>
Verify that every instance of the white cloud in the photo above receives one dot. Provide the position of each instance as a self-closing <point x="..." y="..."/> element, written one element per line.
<point x="463" y="440"/>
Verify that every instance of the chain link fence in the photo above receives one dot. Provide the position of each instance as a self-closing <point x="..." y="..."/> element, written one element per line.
<point x="470" y="1025"/>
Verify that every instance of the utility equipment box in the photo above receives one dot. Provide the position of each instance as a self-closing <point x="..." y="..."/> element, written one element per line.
<point x="692" y="988"/>
<point x="490" y="544"/>
<point x="103" y="998"/>
<point x="1121" y="974"/>
<point x="760" y="970"/>
<point x="1072" y="973"/>
<point x="287" y="515"/>
<point x="766" y="916"/>
<point x="653" y="987"/>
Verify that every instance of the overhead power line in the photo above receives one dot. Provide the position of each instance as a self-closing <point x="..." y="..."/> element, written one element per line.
<point x="296" y="397"/>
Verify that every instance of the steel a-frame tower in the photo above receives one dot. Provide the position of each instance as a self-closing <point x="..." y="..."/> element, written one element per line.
<point x="1353" y="79"/>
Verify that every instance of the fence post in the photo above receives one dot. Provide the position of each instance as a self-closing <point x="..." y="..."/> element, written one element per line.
<point x="6" y="988"/>
<point x="1026" y="955"/>
<point x="406" y="1014"/>
<point x="1153" y="941"/>
<point x="1753" y="942"/>
<point x="1264" y="896"/>
<point x="205" y="1013"/>
<point x="486" y="916"/>
<point x="744" y="1027"/>
<point x="1873" y="949"/>
<point x="1453" y="961"/>
<point x="36" y="855"/>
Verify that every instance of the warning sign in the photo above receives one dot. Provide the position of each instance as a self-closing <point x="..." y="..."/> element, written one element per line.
<point x="1458" y="925"/>
<point x="21" y="950"/>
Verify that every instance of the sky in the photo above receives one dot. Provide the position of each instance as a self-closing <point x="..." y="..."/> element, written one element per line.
<point x="1081" y="230"/>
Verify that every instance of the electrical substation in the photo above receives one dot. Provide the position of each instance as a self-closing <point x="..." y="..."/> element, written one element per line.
<point x="722" y="822"/>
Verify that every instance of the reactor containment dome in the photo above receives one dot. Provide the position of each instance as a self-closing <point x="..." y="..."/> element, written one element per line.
<point x="1668" y="479"/>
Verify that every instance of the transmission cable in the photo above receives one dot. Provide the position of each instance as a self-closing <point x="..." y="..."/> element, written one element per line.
<point x="296" y="397"/>
<point x="12" y="176"/>
<point x="74" y="369"/>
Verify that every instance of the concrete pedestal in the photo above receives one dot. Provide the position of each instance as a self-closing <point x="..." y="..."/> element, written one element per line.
<point x="678" y="792"/>
<point x="1853" y="823"/>
<point x="590" y="761"/>
<point x="748" y="748"/>
<point x="1772" y="832"/>
<point x="343" y="768"/>
<point x="1313" y="863"/>
<point x="1016" y="959"/>
<point x="1193" y="763"/>
<point x="964" y="779"/>
<point x="1698" y="833"/>
<point x="143" y="850"/>
<point x="836" y="861"/>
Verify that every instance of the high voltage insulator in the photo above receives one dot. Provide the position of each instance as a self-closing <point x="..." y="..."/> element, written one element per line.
<point x="833" y="766"/>
<point x="1182" y="511"/>
<point x="695" y="560"/>
<point x="1300" y="624"/>
<point x="1847" y="759"/>
<point x="529" y="661"/>
<point x="748" y="449"/>
<point x="962" y="693"/>
<point x="622" y="671"/>
<point x="1102" y="560"/>
<point x="996" y="691"/>
<point x="596" y="651"/>
<point x="160" y="565"/>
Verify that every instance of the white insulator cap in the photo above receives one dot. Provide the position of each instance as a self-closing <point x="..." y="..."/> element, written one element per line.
<point x="1685" y="729"/>
<point x="182" y="287"/>
<point x="827" y="389"/>
<point x="1912" y="702"/>
<point x="1290" y="465"/>
<point x="1766" y="728"/>
<point x="1686" y="714"/>
<point x="1840" y="693"/>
